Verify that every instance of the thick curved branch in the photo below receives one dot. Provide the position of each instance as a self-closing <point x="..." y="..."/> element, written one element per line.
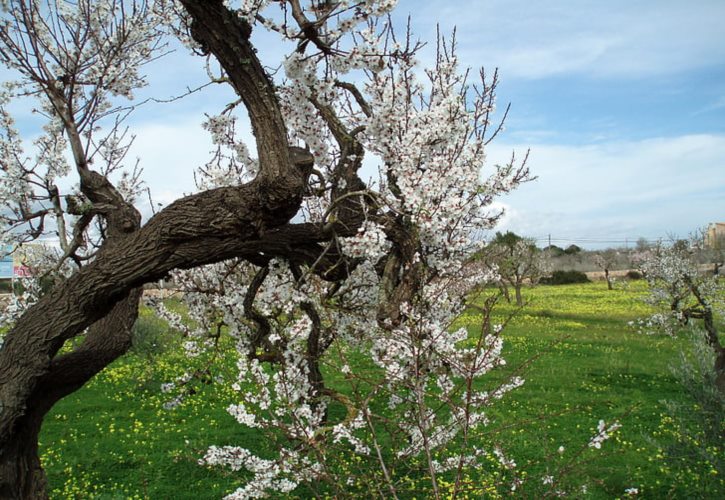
<point x="226" y="36"/>
<point x="359" y="98"/>
<point x="106" y="340"/>
<point x="351" y="210"/>
<point x="310" y="31"/>
<point x="208" y="227"/>
<point x="250" y="312"/>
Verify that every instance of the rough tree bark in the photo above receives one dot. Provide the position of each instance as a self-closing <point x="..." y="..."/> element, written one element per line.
<point x="519" y="298"/>
<point x="608" y="278"/>
<point x="704" y="311"/>
<point x="248" y="221"/>
<point x="20" y="470"/>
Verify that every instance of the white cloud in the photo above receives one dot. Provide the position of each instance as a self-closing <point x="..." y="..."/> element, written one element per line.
<point x="717" y="104"/>
<point x="606" y="191"/>
<point x="612" y="189"/>
<point x="618" y="38"/>
<point x="169" y="153"/>
<point x="620" y="190"/>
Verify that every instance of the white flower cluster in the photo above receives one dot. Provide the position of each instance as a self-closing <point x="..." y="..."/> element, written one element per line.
<point x="14" y="187"/>
<point x="301" y="116"/>
<point x="20" y="302"/>
<point x="677" y="287"/>
<point x="281" y="399"/>
<point x="232" y="163"/>
<point x="432" y="157"/>
<point x="370" y="242"/>
<point x="248" y="8"/>
<point x="603" y="433"/>
<point x="343" y="431"/>
<point x="280" y="476"/>
<point x="395" y="309"/>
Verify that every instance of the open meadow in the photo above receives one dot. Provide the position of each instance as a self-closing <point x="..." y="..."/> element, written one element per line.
<point x="581" y="360"/>
<point x="380" y="220"/>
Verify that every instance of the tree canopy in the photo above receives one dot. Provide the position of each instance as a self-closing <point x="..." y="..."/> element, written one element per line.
<point x="284" y="247"/>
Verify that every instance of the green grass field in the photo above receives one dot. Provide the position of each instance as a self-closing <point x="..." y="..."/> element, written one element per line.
<point x="113" y="439"/>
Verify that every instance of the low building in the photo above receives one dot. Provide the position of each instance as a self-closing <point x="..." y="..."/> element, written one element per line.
<point x="715" y="235"/>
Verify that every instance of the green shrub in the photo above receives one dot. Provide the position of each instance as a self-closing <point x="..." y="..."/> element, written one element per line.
<point x="149" y="336"/>
<point x="565" y="278"/>
<point x="572" y="250"/>
<point x="633" y="275"/>
<point x="554" y="250"/>
<point x="690" y="437"/>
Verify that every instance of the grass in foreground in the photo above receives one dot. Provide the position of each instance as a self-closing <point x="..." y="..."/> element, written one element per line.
<point x="113" y="439"/>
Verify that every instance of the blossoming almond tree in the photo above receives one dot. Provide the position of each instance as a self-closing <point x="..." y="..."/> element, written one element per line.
<point x="367" y="268"/>
<point x="681" y="293"/>
<point x="605" y="260"/>
<point x="516" y="259"/>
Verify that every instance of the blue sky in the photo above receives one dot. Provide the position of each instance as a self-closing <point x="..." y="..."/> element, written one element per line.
<point x="622" y="104"/>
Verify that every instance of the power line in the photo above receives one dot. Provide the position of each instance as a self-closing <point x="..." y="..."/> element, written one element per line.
<point x="597" y="240"/>
<point x="613" y="240"/>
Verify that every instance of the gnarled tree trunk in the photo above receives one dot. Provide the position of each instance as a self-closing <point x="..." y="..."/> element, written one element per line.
<point x="714" y="340"/>
<point x="242" y="221"/>
<point x="519" y="298"/>
<point x="21" y="474"/>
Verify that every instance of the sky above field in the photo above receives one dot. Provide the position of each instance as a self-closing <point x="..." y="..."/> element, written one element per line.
<point x="621" y="103"/>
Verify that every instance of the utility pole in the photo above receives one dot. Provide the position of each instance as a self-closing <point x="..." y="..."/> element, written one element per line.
<point x="549" y="239"/>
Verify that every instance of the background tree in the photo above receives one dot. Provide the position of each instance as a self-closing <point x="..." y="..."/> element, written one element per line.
<point x="682" y="294"/>
<point x="604" y="261"/>
<point x="642" y="244"/>
<point x="517" y="260"/>
<point x="572" y="249"/>
<point x="371" y="265"/>
<point x="553" y="250"/>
